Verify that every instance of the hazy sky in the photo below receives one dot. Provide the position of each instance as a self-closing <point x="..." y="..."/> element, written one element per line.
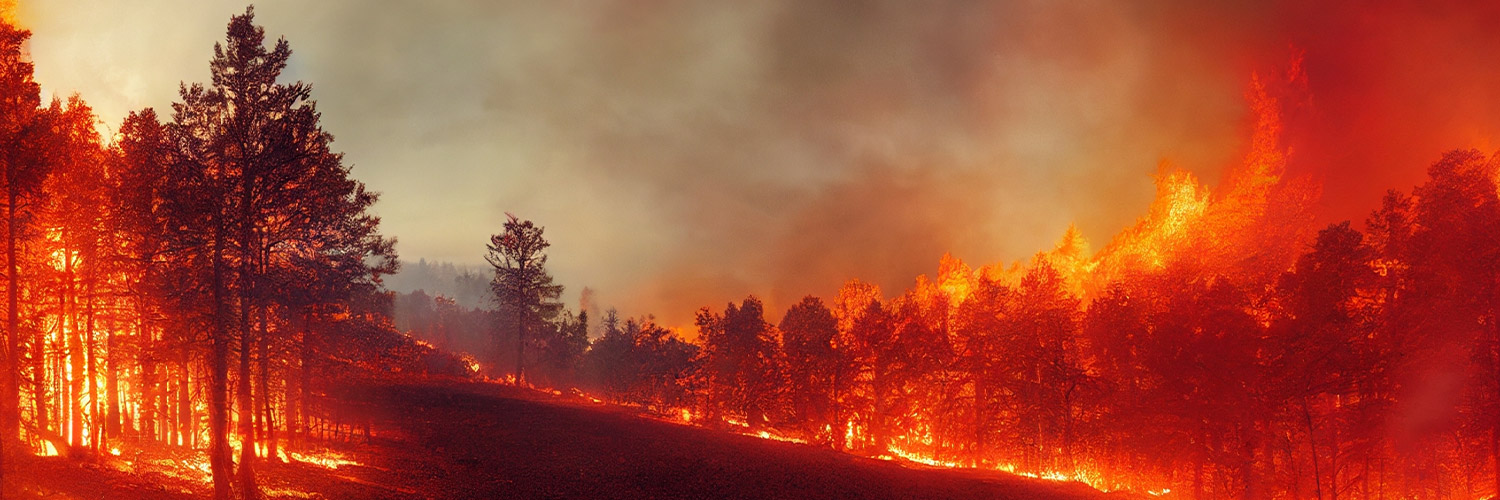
<point x="683" y="154"/>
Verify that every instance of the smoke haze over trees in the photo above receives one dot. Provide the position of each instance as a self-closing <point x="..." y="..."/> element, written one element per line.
<point x="776" y="134"/>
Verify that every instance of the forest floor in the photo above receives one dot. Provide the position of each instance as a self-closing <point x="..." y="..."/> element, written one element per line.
<point x="481" y="440"/>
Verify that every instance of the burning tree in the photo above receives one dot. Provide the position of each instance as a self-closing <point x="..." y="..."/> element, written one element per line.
<point x="136" y="271"/>
<point x="742" y="368"/>
<point x="808" y="337"/>
<point x="255" y="170"/>
<point x="638" y="360"/>
<point x="24" y="169"/>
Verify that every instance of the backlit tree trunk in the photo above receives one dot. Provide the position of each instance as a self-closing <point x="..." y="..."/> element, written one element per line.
<point x="74" y="334"/>
<point x="268" y="423"/>
<point x="245" y="406"/>
<point x="10" y="408"/>
<point x="219" y="456"/>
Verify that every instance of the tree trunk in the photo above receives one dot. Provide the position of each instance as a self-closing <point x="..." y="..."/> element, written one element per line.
<point x="40" y="384"/>
<point x="1067" y="431"/>
<point x="981" y="399"/>
<point x="268" y="426"/>
<point x="10" y="403"/>
<point x="292" y="420"/>
<point x="248" y="295"/>
<point x="245" y="407"/>
<point x="520" y="343"/>
<point x="153" y="404"/>
<point x="520" y="331"/>
<point x="289" y="408"/>
<point x="112" y="382"/>
<point x="1312" y="445"/>
<point x="1365" y="479"/>
<point x="187" y="426"/>
<point x="166" y="408"/>
<point x="96" y="437"/>
<point x="219" y="457"/>
<point x="1333" y="458"/>
<point x="837" y="425"/>
<point x="877" y="420"/>
<point x="304" y="386"/>
<point x="147" y="362"/>
<point x="75" y="355"/>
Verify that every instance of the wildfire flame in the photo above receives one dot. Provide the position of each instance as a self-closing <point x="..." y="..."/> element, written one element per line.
<point x="1187" y="222"/>
<point x="328" y="460"/>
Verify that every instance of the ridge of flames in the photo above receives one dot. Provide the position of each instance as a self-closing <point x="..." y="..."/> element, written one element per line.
<point x="68" y="383"/>
<point x="1185" y="220"/>
<point x="192" y="466"/>
<point x="687" y="417"/>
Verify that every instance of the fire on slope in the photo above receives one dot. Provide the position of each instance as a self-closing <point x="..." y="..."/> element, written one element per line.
<point x="897" y="452"/>
<point x="1185" y="220"/>
<point x="104" y="375"/>
<point x="1256" y="212"/>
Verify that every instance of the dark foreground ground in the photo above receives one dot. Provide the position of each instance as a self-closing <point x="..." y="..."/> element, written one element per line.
<point x="485" y="441"/>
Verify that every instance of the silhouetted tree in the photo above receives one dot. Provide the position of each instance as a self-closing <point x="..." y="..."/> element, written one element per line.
<point x="871" y="339"/>
<point x="140" y="159"/>
<point x="1202" y="349"/>
<point x="1320" y="349"/>
<point x="265" y="205"/>
<point x="563" y="344"/>
<point x="808" y="330"/>
<point x="742" y="354"/>
<point x="522" y="282"/>
<point x="24" y="169"/>
<point x="978" y="323"/>
<point x="1455" y="296"/>
<point x="75" y="214"/>
<point x="641" y="362"/>
<point x="610" y="363"/>
<point x="1041" y="349"/>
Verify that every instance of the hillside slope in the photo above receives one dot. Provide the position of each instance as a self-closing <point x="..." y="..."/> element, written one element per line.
<point x="479" y="440"/>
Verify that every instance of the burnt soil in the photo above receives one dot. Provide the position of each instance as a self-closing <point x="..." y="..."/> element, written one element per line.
<point x="453" y="439"/>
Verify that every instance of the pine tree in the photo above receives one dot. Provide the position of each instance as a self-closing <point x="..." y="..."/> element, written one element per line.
<point x="24" y="170"/>
<point x="282" y="213"/>
<point x="522" y="284"/>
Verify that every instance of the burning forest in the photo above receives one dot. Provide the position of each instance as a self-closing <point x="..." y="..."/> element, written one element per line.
<point x="202" y="301"/>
